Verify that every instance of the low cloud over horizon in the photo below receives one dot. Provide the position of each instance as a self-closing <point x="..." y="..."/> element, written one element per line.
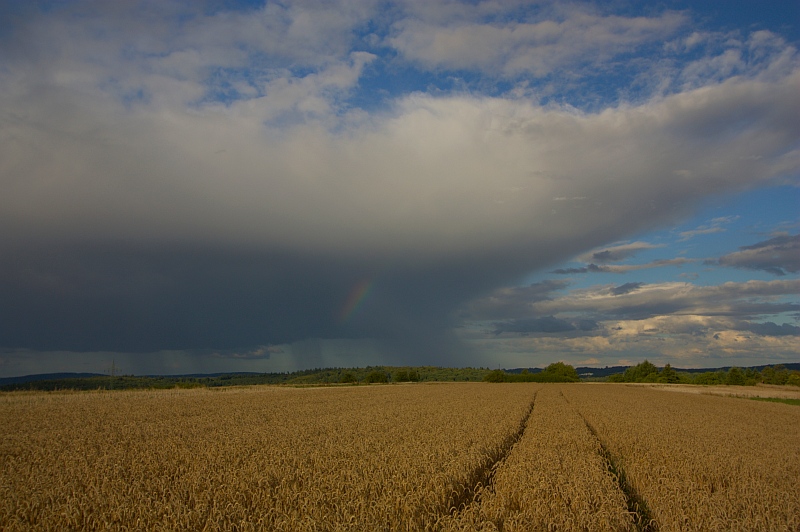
<point x="291" y="185"/>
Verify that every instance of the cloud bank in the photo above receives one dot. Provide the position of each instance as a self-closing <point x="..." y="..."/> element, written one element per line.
<point x="180" y="178"/>
<point x="664" y="321"/>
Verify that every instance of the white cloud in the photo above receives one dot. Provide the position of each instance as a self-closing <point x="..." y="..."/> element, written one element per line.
<point x="572" y="37"/>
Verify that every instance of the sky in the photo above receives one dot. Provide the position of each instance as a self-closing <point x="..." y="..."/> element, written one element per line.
<point x="194" y="187"/>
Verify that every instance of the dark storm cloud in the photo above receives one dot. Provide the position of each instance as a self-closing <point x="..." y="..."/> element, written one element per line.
<point x="513" y="301"/>
<point x="546" y="324"/>
<point x="204" y="181"/>
<point x="779" y="255"/>
<point x="148" y="298"/>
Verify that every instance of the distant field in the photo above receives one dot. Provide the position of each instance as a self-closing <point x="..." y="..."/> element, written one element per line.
<point x="461" y="456"/>
<point x="760" y="390"/>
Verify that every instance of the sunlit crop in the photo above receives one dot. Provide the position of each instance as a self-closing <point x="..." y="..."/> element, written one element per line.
<point x="471" y="456"/>
<point x="555" y="476"/>
<point x="384" y="457"/>
<point x="701" y="462"/>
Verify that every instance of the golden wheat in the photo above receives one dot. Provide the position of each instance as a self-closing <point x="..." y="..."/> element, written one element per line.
<point x="417" y="457"/>
<point x="377" y="458"/>
<point x="555" y="478"/>
<point x="701" y="462"/>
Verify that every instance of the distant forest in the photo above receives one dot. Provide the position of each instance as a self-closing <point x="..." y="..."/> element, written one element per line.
<point x="788" y="374"/>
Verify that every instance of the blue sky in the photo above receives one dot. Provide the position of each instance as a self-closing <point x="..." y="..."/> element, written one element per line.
<point x="250" y="186"/>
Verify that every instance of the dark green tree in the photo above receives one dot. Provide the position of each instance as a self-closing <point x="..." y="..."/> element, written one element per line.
<point x="642" y="372"/>
<point x="668" y="375"/>
<point x="377" y="377"/>
<point x="735" y="377"/>
<point x="348" y="378"/>
<point x="497" y="375"/>
<point x="560" y="372"/>
<point x="400" y="375"/>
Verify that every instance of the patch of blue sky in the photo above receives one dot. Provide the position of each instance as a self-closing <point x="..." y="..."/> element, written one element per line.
<point x="388" y="79"/>
<point x="385" y="81"/>
<point x="229" y="85"/>
<point x="731" y="15"/>
<point x="721" y="227"/>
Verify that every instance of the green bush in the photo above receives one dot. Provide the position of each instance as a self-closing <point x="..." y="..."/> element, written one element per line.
<point x="496" y="375"/>
<point x="348" y="378"/>
<point x="710" y="377"/>
<point x="377" y="377"/>
<point x="735" y="377"/>
<point x="400" y="375"/>
<point x="668" y="375"/>
<point x="775" y="375"/>
<point x="560" y="372"/>
<point x="556" y="372"/>
<point x="644" y="372"/>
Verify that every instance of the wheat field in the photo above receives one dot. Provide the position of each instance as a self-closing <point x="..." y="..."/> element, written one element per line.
<point x="466" y="456"/>
<point x="701" y="462"/>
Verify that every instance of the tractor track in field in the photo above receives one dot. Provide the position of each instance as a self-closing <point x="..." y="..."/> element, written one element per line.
<point x="482" y="477"/>
<point x="637" y="506"/>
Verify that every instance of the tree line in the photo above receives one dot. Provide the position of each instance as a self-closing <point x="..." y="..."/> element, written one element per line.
<point x="648" y="372"/>
<point x="555" y="372"/>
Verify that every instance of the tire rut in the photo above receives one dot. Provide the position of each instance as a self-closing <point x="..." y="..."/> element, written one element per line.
<point x="482" y="477"/>
<point x="637" y="505"/>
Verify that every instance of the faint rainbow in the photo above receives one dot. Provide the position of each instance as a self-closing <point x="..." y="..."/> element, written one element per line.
<point x="358" y="294"/>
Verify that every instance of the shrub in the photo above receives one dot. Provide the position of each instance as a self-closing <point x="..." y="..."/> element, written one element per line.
<point x="348" y="378"/>
<point x="556" y="372"/>
<point x="668" y="375"/>
<point x="643" y="372"/>
<point x="560" y="372"/>
<point x="400" y="376"/>
<point x="735" y="377"/>
<point x="710" y="377"/>
<point x="377" y="376"/>
<point x="496" y="375"/>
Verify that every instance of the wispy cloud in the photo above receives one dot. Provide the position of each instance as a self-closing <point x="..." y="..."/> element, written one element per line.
<point x="567" y="37"/>
<point x="715" y="226"/>
<point x="618" y="252"/>
<point x="623" y="268"/>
